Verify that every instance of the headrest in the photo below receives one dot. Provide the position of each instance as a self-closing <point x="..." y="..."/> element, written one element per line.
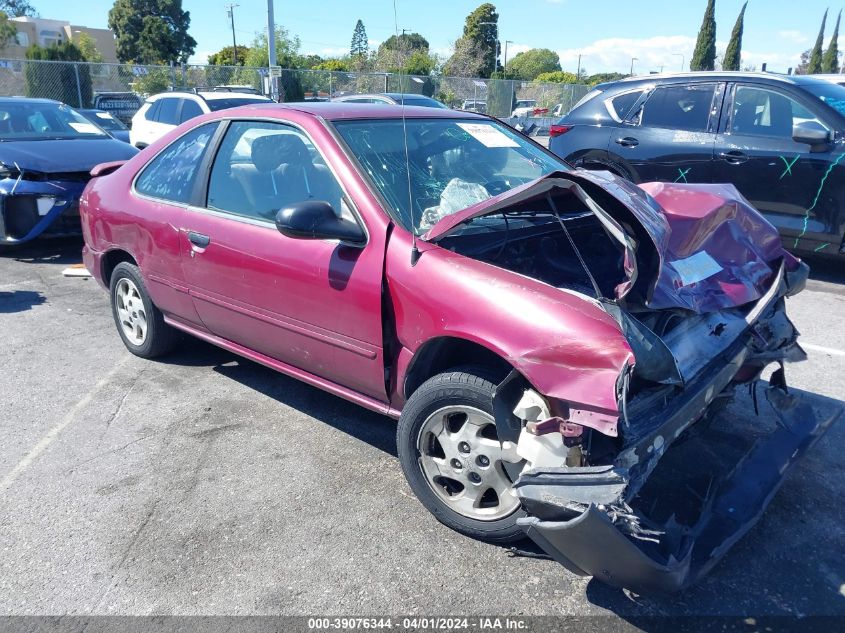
<point x="271" y="151"/>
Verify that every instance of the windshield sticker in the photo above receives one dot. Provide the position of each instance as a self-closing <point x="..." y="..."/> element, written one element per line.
<point x="84" y="128"/>
<point x="487" y="135"/>
<point x="696" y="268"/>
<point x="103" y="115"/>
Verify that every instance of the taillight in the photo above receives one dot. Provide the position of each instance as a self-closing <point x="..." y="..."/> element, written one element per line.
<point x="559" y="130"/>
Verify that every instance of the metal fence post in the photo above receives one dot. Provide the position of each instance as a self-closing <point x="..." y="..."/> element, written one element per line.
<point x="78" y="86"/>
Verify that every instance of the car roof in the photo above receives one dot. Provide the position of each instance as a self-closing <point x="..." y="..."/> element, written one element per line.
<point x="208" y="96"/>
<point x="796" y="80"/>
<point x="5" y="100"/>
<point x="341" y="110"/>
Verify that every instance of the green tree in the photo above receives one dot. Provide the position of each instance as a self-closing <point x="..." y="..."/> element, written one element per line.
<point x="557" y="77"/>
<point x="69" y="83"/>
<point x="600" y="78"/>
<point x="287" y="56"/>
<point x="481" y="29"/>
<point x="733" y="54"/>
<point x="7" y="30"/>
<point x="151" y="31"/>
<point x="528" y="65"/>
<point x="814" y="66"/>
<point x="704" y="56"/>
<point x="406" y="53"/>
<point x="226" y="56"/>
<point x="17" y="8"/>
<point x="467" y="60"/>
<point x="830" y="61"/>
<point x="360" y="46"/>
<point x="333" y="65"/>
<point x="88" y="46"/>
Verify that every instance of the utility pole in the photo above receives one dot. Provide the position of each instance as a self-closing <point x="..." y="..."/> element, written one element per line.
<point x="578" y="74"/>
<point x="231" y="9"/>
<point x="633" y="59"/>
<point x="271" y="47"/>
<point x="505" y="65"/>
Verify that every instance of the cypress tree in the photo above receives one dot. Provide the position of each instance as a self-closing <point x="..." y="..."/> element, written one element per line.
<point x="733" y="54"/>
<point x="815" y="65"/>
<point x="704" y="57"/>
<point x="830" y="61"/>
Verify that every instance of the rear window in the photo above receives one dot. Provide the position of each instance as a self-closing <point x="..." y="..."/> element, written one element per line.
<point x="679" y="107"/>
<point x="223" y="104"/>
<point x="620" y="105"/>
<point x="171" y="174"/>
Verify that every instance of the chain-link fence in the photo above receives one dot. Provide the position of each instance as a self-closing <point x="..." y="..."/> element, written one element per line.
<point x="82" y="85"/>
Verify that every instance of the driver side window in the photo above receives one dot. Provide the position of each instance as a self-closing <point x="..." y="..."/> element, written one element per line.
<point x="263" y="167"/>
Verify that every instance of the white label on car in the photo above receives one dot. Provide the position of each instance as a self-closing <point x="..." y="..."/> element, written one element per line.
<point x="487" y="135"/>
<point x="696" y="267"/>
<point x="103" y="115"/>
<point x="85" y="128"/>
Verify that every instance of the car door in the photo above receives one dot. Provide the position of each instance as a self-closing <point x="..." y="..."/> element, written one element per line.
<point x="165" y="188"/>
<point x="312" y="304"/>
<point x="670" y="135"/>
<point x="797" y="187"/>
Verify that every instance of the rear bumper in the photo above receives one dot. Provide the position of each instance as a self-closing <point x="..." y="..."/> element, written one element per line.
<point x="603" y="540"/>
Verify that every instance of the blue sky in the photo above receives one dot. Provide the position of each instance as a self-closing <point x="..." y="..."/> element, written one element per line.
<point x="606" y="33"/>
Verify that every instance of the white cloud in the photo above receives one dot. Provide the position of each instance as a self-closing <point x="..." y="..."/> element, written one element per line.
<point x="793" y="36"/>
<point x="663" y="52"/>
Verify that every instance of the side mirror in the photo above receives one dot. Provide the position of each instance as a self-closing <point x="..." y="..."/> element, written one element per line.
<point x="811" y="133"/>
<point x="316" y="220"/>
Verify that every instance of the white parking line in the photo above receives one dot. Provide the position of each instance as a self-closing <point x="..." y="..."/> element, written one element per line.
<point x="824" y="350"/>
<point x="58" y="428"/>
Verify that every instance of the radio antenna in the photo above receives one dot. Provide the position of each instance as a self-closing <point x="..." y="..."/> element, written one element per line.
<point x="415" y="252"/>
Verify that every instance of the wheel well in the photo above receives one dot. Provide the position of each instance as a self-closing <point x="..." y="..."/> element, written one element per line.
<point x="112" y="259"/>
<point x="441" y="354"/>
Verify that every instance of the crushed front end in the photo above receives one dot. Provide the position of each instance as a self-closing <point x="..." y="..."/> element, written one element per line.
<point x="34" y="204"/>
<point x="654" y="508"/>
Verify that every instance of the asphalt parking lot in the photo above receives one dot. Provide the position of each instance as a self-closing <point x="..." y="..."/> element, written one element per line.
<point x="206" y="484"/>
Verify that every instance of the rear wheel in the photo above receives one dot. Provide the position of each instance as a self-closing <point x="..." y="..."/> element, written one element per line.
<point x="140" y="324"/>
<point x="453" y="459"/>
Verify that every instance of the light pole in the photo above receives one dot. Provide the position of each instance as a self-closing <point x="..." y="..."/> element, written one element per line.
<point x="578" y="74"/>
<point x="505" y="65"/>
<point x="633" y="59"/>
<point x="231" y="10"/>
<point x="683" y="59"/>
<point x="271" y="48"/>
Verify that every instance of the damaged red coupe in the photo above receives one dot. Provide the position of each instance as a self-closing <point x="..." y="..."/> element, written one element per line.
<point x="545" y="336"/>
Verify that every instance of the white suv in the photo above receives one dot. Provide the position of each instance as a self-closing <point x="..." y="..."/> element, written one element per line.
<point x="163" y="112"/>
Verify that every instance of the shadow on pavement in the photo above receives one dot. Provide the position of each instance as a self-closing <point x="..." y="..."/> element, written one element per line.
<point x="829" y="269"/>
<point x="20" y="301"/>
<point x="377" y="430"/>
<point x="66" y="250"/>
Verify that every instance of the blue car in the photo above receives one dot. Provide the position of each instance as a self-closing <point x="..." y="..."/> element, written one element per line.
<point x="112" y="125"/>
<point x="46" y="153"/>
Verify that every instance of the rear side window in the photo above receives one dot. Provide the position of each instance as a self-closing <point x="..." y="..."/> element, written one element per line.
<point x="762" y="112"/>
<point x="620" y="105"/>
<point x="167" y="111"/>
<point x="679" y="107"/>
<point x="152" y="111"/>
<point x="190" y="109"/>
<point x="171" y="174"/>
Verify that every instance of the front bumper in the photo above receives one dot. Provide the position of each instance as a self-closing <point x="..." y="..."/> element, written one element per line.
<point x="22" y="216"/>
<point x="658" y="518"/>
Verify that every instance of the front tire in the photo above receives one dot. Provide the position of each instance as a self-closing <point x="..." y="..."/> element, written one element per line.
<point x="140" y="324"/>
<point x="453" y="460"/>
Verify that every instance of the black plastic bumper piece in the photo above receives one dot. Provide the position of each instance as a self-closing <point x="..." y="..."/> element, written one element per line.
<point x="591" y="544"/>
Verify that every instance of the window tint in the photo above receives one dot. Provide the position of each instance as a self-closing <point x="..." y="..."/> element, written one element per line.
<point x="171" y="175"/>
<point x="761" y="112"/>
<point x="152" y="111"/>
<point x="190" y="109"/>
<point x="679" y="107"/>
<point x="167" y="110"/>
<point x="622" y="104"/>
<point x="263" y="167"/>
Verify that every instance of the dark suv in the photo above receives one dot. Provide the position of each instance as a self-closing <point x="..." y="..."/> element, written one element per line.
<point x="777" y="138"/>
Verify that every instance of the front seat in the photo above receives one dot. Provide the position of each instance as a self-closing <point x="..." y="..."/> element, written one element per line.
<point x="301" y="178"/>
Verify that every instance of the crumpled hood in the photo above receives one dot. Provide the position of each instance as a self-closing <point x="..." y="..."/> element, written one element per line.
<point x="714" y="250"/>
<point x="65" y="155"/>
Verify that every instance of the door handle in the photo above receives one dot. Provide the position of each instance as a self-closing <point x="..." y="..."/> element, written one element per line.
<point x="628" y="141"/>
<point x="734" y="158"/>
<point x="198" y="239"/>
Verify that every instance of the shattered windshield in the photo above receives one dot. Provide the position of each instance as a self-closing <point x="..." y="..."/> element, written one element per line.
<point x="832" y="94"/>
<point x="454" y="163"/>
